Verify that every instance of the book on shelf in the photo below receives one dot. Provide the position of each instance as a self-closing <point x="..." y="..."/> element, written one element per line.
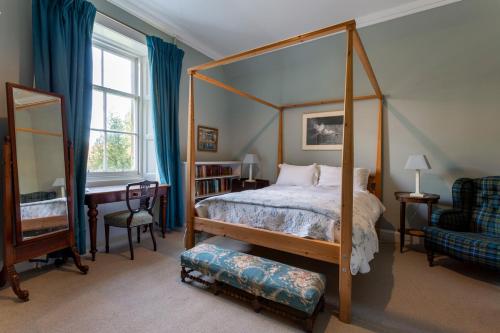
<point x="203" y="171"/>
<point x="212" y="186"/>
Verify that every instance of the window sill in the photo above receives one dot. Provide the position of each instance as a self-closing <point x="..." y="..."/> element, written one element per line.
<point x="111" y="181"/>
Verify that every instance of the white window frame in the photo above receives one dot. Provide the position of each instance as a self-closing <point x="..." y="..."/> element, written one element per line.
<point x="140" y="94"/>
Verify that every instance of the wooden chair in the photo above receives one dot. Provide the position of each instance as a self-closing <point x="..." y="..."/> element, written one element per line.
<point x="135" y="218"/>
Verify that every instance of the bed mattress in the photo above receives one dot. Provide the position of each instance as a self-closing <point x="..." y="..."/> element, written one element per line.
<point x="304" y="211"/>
<point x="44" y="208"/>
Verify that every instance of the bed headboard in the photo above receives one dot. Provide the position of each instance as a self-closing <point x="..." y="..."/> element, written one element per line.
<point x="372" y="184"/>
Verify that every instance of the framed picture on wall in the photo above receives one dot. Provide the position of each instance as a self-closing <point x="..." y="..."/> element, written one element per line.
<point x="208" y="138"/>
<point x="323" y="130"/>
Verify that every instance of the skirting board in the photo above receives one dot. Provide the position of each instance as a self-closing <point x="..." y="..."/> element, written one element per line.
<point x="392" y="236"/>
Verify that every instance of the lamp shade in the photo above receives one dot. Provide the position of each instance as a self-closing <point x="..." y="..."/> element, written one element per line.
<point x="251" y="159"/>
<point x="58" y="182"/>
<point x="417" y="162"/>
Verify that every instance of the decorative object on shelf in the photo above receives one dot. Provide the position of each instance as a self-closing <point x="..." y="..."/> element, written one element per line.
<point x="323" y="130"/>
<point x="417" y="162"/>
<point x="59" y="182"/>
<point x="208" y="138"/>
<point x="251" y="159"/>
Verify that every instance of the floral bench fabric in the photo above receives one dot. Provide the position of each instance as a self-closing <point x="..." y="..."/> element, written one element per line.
<point x="291" y="286"/>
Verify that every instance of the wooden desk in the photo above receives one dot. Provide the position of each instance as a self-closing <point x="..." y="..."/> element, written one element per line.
<point x="108" y="194"/>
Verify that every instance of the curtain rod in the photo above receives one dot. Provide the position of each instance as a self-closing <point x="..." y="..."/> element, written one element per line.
<point x="174" y="38"/>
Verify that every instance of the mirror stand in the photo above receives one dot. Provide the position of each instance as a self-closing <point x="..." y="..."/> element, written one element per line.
<point x="15" y="253"/>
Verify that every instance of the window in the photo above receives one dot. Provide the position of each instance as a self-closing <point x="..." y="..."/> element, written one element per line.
<point x="114" y="127"/>
<point x="120" y="130"/>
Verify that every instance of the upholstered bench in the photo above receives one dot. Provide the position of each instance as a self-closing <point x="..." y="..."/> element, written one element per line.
<point x="267" y="284"/>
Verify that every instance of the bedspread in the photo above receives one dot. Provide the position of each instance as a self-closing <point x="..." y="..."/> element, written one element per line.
<point x="309" y="211"/>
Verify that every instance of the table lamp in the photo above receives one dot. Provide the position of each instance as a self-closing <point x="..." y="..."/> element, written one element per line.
<point x="417" y="163"/>
<point x="251" y="159"/>
<point x="61" y="183"/>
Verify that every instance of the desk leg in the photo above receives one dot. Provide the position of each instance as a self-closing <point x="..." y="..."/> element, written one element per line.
<point x="92" y="214"/>
<point x="402" y="225"/>
<point x="163" y="214"/>
<point x="429" y="213"/>
<point x="3" y="276"/>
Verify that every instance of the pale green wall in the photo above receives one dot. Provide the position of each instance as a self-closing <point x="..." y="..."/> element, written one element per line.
<point x="211" y="103"/>
<point x="16" y="66"/>
<point x="440" y="71"/>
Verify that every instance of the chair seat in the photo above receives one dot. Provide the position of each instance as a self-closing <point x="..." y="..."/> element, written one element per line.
<point x="119" y="219"/>
<point x="481" y="248"/>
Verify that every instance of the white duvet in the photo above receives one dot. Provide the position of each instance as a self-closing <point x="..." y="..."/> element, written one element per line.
<point x="304" y="211"/>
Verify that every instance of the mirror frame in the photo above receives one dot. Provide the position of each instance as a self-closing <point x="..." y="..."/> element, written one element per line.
<point x="15" y="178"/>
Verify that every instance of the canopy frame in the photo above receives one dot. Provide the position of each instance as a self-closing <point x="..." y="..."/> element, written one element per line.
<point x="321" y="250"/>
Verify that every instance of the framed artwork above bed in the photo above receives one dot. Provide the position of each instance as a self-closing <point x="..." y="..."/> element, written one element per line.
<point x="208" y="138"/>
<point x="323" y="130"/>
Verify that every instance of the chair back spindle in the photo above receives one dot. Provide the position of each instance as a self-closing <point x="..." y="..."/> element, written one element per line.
<point x="142" y="191"/>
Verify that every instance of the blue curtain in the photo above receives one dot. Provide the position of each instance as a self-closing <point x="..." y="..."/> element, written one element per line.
<point x="165" y="65"/>
<point x="62" y="50"/>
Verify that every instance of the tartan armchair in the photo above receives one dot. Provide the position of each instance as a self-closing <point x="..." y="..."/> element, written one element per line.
<point x="470" y="231"/>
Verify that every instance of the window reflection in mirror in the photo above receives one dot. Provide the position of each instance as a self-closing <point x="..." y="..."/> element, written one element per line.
<point x="40" y="163"/>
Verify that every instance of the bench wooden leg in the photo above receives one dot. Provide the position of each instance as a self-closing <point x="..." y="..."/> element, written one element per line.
<point x="256" y="305"/>
<point x="183" y="274"/>
<point x="308" y="325"/>
<point x="430" y="258"/>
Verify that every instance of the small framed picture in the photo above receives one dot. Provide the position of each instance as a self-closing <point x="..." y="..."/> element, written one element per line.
<point x="323" y="130"/>
<point x="208" y="138"/>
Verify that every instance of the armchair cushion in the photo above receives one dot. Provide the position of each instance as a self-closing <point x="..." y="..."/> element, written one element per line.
<point x="487" y="216"/>
<point x="469" y="246"/>
<point x="451" y="219"/>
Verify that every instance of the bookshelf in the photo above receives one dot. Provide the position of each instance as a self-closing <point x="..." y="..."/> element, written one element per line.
<point x="213" y="177"/>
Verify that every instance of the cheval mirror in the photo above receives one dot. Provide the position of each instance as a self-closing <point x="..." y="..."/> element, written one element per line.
<point x="38" y="209"/>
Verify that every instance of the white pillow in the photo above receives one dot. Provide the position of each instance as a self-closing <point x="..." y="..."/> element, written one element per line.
<point x="332" y="176"/>
<point x="297" y="175"/>
<point x="329" y="176"/>
<point x="361" y="176"/>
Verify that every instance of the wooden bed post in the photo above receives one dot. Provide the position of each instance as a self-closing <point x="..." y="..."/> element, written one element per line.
<point x="190" y="174"/>
<point x="322" y="250"/>
<point x="378" y="166"/>
<point x="347" y="187"/>
<point x="280" y="142"/>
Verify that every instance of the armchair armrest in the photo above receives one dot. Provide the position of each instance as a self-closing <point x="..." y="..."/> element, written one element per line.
<point x="449" y="218"/>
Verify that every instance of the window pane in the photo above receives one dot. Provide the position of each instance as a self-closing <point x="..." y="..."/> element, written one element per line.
<point x="96" y="152"/>
<point x="97" y="110"/>
<point x="119" y="115"/>
<point x="120" y="152"/>
<point x="117" y="72"/>
<point x="96" y="66"/>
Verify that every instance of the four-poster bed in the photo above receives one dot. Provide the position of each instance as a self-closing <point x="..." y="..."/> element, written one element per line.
<point x="331" y="252"/>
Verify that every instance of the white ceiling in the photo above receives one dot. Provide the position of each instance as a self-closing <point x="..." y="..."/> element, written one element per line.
<point x="218" y="28"/>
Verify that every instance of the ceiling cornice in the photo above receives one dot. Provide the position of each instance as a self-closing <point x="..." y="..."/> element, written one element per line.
<point x="165" y="25"/>
<point x="400" y="11"/>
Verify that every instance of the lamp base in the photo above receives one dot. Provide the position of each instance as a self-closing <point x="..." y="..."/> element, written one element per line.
<point x="250" y="180"/>
<point x="417" y="195"/>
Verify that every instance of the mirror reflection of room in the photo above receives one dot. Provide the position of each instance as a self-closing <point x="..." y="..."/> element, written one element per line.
<point x="40" y="162"/>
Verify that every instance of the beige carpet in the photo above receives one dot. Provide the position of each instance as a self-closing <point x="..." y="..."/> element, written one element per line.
<point x="401" y="294"/>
